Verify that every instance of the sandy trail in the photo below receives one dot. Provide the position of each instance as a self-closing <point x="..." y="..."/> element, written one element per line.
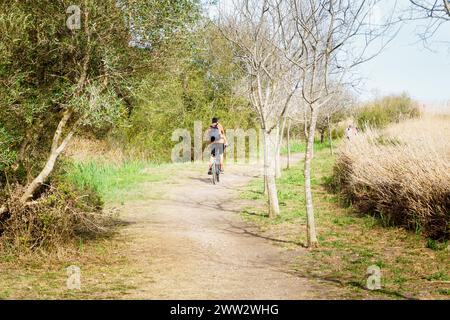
<point x="194" y="245"/>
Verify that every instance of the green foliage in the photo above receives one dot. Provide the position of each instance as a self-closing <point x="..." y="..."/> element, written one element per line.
<point x="193" y="81"/>
<point x="46" y="69"/>
<point x="390" y="109"/>
<point x="87" y="76"/>
<point x="7" y="155"/>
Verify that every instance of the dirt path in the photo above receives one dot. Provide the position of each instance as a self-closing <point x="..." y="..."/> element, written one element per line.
<point x="194" y="245"/>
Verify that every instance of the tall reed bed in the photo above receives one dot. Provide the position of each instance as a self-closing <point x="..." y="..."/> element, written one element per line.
<point x="400" y="174"/>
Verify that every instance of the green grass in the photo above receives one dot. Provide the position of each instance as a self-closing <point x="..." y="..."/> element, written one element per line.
<point x="300" y="147"/>
<point x="112" y="181"/>
<point x="290" y="191"/>
<point x="349" y="242"/>
<point x="444" y="292"/>
<point x="437" y="245"/>
<point x="438" y="276"/>
<point x="103" y="276"/>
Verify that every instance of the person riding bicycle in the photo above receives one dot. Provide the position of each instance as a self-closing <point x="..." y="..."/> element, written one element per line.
<point x="219" y="142"/>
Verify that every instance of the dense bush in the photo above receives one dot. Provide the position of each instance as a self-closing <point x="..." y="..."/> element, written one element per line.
<point x="62" y="214"/>
<point x="390" y="109"/>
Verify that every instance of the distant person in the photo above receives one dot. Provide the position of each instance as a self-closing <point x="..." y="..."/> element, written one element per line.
<point x="349" y="132"/>
<point x="219" y="142"/>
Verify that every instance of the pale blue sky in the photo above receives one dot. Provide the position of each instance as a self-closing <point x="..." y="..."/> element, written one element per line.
<point x="406" y="65"/>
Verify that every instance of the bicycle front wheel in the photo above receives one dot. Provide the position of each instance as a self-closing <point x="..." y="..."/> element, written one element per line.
<point x="213" y="174"/>
<point x="217" y="173"/>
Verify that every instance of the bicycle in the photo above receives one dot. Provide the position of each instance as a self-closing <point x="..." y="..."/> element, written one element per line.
<point x="216" y="166"/>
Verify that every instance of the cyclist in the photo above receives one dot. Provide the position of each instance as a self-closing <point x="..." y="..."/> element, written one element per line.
<point x="219" y="142"/>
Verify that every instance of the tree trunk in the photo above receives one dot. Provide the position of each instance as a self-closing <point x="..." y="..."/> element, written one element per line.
<point x="308" y="132"/>
<point x="55" y="151"/>
<point x="322" y="136"/>
<point x="22" y="151"/>
<point x="277" y="153"/>
<point x="40" y="179"/>
<point x="289" y="144"/>
<point x="330" y="135"/>
<point x="305" y="124"/>
<point x="269" y="174"/>
<point x="280" y="136"/>
<point x="310" y="221"/>
<point x="266" y="193"/>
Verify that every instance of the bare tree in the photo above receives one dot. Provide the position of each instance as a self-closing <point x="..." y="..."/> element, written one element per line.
<point x="333" y="112"/>
<point x="436" y="9"/>
<point x="435" y="12"/>
<point x="254" y="30"/>
<point x="335" y="37"/>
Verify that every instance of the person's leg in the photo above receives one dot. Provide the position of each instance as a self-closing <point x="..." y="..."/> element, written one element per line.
<point x="222" y="152"/>
<point x="211" y="159"/>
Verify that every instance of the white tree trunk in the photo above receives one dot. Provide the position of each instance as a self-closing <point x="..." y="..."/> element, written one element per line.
<point x="41" y="178"/>
<point x="279" y="143"/>
<point x="308" y="131"/>
<point x="56" y="150"/>
<point x="289" y="144"/>
<point x="310" y="221"/>
<point x="269" y="174"/>
<point x="330" y="135"/>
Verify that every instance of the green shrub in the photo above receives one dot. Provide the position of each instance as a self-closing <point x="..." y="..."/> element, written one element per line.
<point x="390" y="109"/>
<point x="338" y="133"/>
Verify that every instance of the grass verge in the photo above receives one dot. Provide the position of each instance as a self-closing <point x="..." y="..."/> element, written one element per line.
<point x="117" y="182"/>
<point x="300" y="147"/>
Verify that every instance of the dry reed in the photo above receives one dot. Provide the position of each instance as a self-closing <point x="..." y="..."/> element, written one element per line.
<point x="401" y="174"/>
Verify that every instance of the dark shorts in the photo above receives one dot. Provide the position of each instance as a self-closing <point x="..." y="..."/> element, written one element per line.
<point x="218" y="148"/>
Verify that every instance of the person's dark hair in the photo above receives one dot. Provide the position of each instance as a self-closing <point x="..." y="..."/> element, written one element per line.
<point x="215" y="120"/>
